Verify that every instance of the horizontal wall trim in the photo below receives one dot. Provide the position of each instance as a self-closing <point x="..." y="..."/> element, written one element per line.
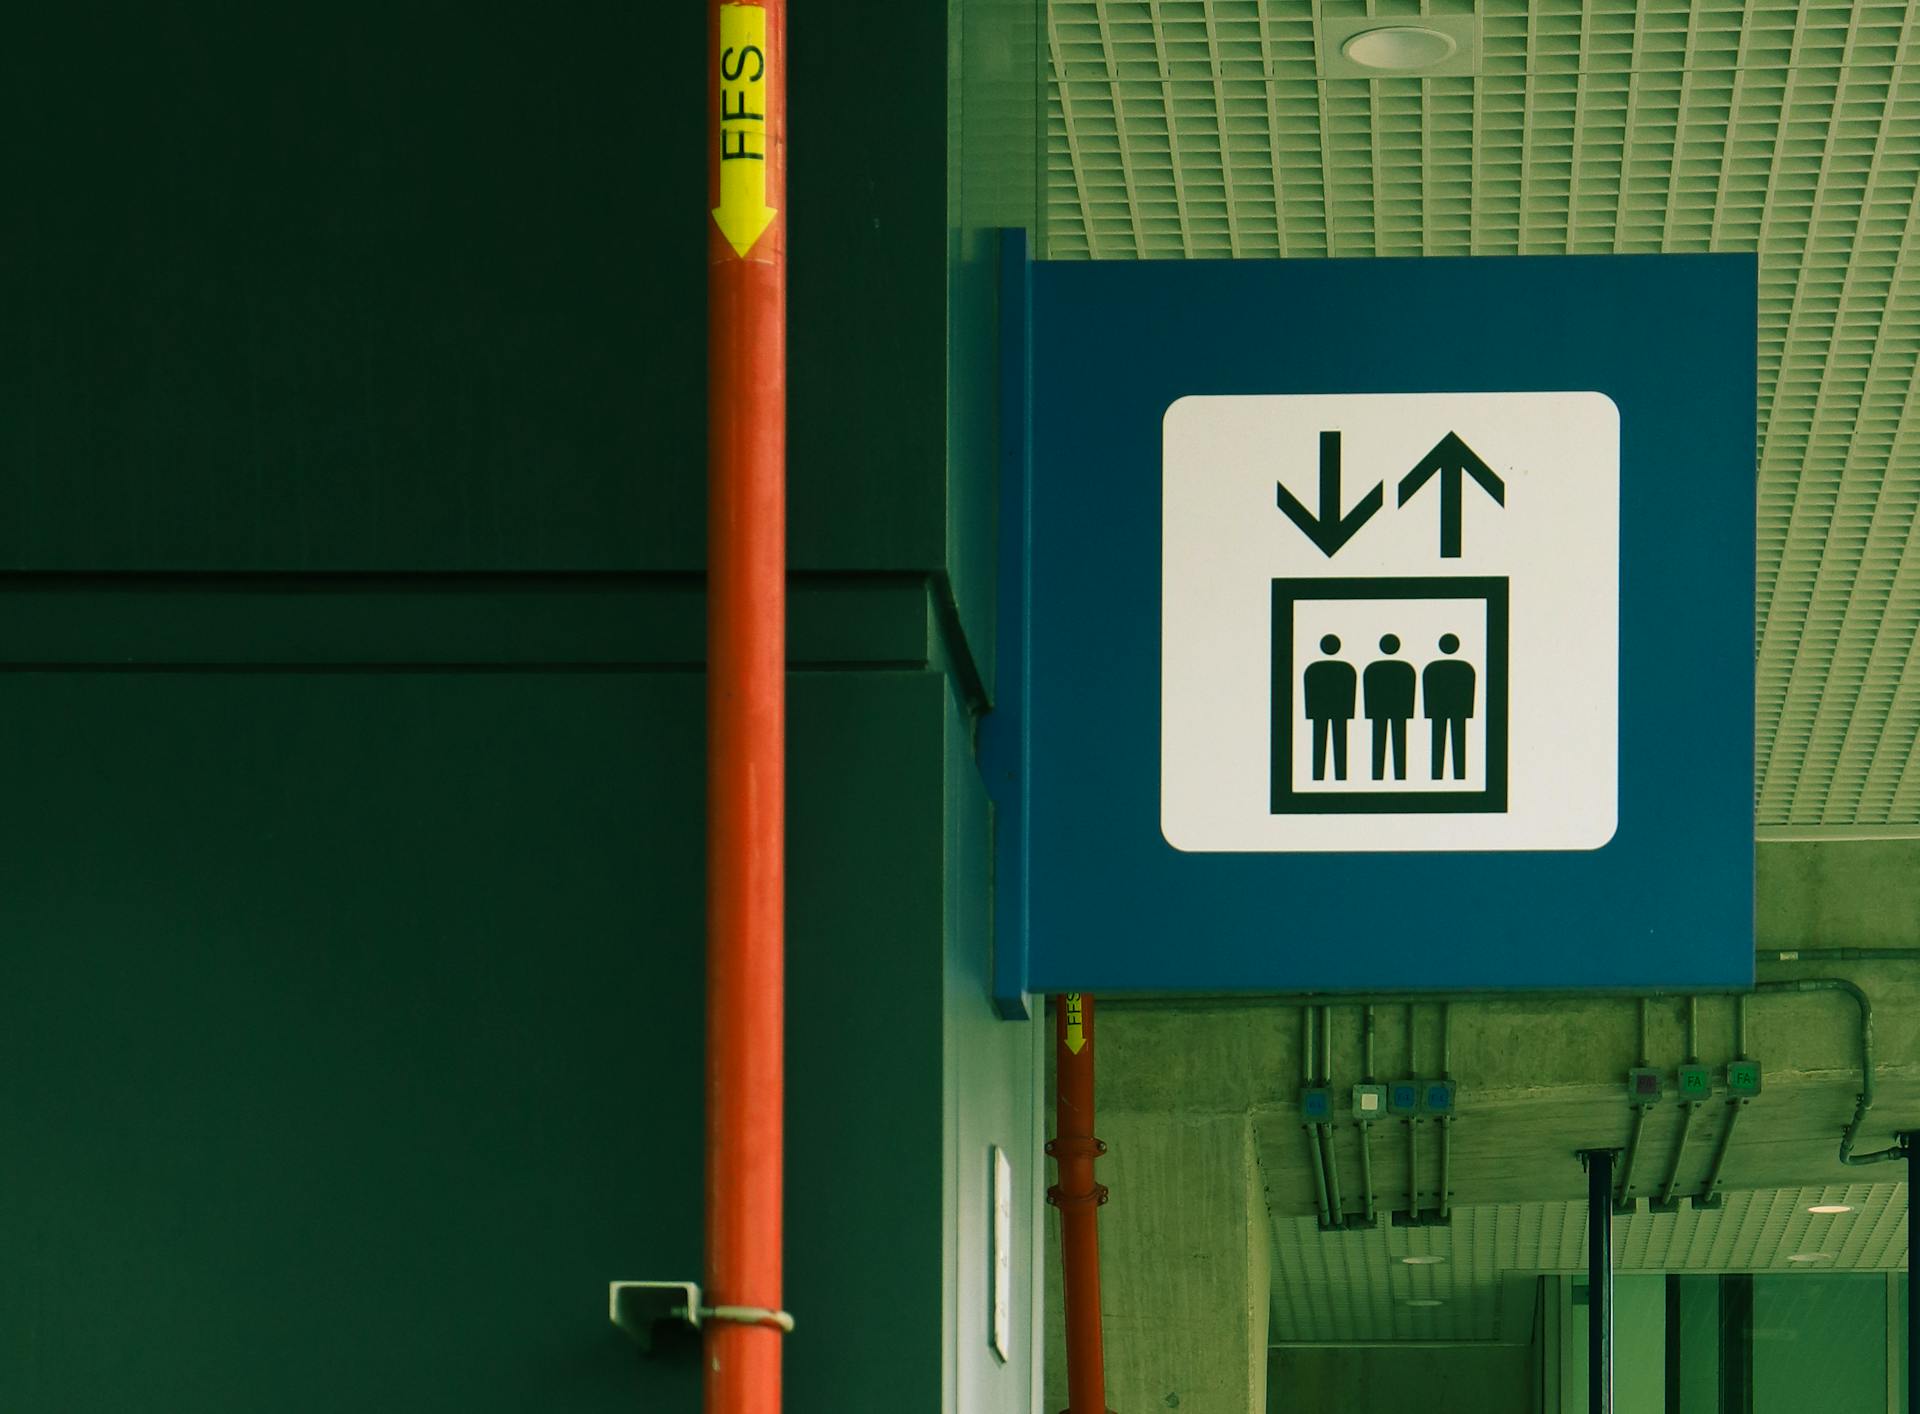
<point x="453" y="623"/>
<point x="1397" y="1344"/>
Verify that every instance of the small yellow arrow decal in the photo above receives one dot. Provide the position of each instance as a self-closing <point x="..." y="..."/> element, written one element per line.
<point x="743" y="214"/>
<point x="1076" y="1030"/>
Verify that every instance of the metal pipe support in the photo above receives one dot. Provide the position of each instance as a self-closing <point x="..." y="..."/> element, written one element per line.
<point x="1625" y="1200"/>
<point x="1599" y="1164"/>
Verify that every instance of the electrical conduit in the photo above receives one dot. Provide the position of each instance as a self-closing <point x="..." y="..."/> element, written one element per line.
<point x="1307" y="1127"/>
<point x="1336" y="1213"/>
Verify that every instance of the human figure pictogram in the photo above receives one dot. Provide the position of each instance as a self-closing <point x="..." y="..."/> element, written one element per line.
<point x="1388" y="689"/>
<point x="1330" y="687"/>
<point x="1447" y="691"/>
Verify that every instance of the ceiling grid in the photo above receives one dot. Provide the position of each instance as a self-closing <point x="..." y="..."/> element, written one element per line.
<point x="1816" y="491"/>
<point x="1222" y="138"/>
<point x="1886" y="529"/>
<point x="1208" y="128"/>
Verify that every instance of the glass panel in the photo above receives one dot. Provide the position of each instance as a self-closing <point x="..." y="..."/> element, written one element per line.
<point x="1640" y="1345"/>
<point x="1820" y="1342"/>
<point x="1698" y="1324"/>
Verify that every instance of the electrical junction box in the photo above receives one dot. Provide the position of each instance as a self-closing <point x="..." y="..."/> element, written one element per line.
<point x="1369" y="1102"/>
<point x="1436" y="1097"/>
<point x="1644" y="1086"/>
<point x="1403" y="1098"/>
<point x="1696" y="1082"/>
<point x="1316" y="1104"/>
<point x="1743" y="1077"/>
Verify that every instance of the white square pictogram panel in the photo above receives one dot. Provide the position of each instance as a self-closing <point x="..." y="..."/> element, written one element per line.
<point x="1391" y="622"/>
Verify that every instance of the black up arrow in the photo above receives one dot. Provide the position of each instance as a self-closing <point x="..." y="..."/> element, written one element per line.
<point x="1330" y="530"/>
<point x="1454" y="460"/>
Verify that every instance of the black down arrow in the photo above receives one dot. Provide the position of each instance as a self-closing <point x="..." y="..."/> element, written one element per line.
<point x="1330" y="530"/>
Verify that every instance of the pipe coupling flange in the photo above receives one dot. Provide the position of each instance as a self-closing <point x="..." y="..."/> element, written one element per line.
<point x="1075" y="1147"/>
<point x="1095" y="1197"/>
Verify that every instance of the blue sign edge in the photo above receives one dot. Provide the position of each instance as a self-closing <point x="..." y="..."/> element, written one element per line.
<point x="1005" y="741"/>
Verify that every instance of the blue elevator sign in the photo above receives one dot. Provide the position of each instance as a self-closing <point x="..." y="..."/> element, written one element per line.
<point x="1376" y="625"/>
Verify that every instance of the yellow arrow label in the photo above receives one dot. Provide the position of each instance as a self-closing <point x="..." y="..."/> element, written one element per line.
<point x="743" y="214"/>
<point x="1076" y="1030"/>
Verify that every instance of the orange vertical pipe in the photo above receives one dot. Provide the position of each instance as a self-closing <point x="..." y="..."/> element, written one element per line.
<point x="746" y="697"/>
<point x="1078" y="1198"/>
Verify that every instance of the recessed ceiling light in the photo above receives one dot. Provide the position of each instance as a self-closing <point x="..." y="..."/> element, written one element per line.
<point x="1397" y="48"/>
<point x="1424" y="1301"/>
<point x="1422" y="1261"/>
<point x="1830" y="1208"/>
<point x="1809" y="1258"/>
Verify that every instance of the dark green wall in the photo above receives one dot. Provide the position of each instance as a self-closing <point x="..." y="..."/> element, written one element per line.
<point x="306" y="287"/>
<point x="351" y="520"/>
<point x="340" y="1067"/>
<point x="356" y="1003"/>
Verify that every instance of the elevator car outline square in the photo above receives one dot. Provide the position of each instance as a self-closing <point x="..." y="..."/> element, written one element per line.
<point x="1406" y="720"/>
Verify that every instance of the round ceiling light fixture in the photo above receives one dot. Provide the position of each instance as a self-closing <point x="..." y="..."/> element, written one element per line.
<point x="1422" y="1261"/>
<point x="1398" y="48"/>
<point x="1830" y="1209"/>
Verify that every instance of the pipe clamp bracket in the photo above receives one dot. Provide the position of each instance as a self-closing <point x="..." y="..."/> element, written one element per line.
<point x="1095" y="1197"/>
<point x="655" y="1313"/>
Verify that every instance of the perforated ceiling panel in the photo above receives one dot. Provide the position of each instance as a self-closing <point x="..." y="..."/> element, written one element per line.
<point x="1209" y="128"/>
<point x="1353" y="1286"/>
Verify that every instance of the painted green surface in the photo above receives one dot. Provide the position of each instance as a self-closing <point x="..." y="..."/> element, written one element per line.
<point x="303" y="289"/>
<point x="526" y="621"/>
<point x="352" y="1031"/>
<point x="359" y="1003"/>
<point x="344" y="1060"/>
